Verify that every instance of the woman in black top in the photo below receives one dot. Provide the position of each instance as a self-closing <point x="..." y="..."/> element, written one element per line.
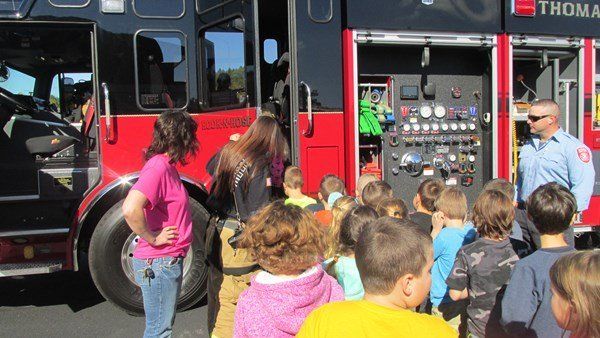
<point x="241" y="186"/>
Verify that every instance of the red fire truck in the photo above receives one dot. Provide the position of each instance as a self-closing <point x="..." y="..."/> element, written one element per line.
<point x="406" y="90"/>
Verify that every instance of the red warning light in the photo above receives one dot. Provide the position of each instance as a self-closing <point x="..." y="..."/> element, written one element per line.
<point x="523" y="7"/>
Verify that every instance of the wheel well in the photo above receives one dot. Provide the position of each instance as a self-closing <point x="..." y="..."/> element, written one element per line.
<point x="109" y="199"/>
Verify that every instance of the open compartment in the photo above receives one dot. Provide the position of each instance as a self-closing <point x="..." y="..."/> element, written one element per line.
<point x="541" y="72"/>
<point x="375" y="112"/>
<point x="596" y="108"/>
<point x="440" y="123"/>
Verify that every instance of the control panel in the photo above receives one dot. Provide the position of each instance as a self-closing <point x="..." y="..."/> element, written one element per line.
<point x="437" y="132"/>
<point x="440" y="137"/>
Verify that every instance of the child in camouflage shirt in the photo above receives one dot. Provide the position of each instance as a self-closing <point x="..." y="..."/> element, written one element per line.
<point x="482" y="269"/>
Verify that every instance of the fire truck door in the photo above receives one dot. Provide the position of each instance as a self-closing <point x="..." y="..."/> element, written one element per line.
<point x="316" y="89"/>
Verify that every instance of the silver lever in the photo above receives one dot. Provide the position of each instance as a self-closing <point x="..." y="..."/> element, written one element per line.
<point x="308" y="130"/>
<point x="106" y="110"/>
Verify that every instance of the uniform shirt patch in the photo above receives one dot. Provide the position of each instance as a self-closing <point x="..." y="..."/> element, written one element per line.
<point x="584" y="154"/>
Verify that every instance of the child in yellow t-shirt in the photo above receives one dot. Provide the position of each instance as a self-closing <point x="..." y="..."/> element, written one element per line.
<point x="396" y="278"/>
<point x="292" y="186"/>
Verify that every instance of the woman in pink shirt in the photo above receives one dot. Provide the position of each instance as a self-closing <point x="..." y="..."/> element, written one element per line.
<point x="158" y="211"/>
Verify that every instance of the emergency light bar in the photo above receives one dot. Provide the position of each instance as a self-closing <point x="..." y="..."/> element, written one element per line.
<point x="523" y="8"/>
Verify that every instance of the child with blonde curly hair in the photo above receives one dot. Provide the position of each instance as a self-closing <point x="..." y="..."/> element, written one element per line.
<point x="286" y="242"/>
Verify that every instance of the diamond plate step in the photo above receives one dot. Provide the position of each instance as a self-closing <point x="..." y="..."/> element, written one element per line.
<point x="20" y="269"/>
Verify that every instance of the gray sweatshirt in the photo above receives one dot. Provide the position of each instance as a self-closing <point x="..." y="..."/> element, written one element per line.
<point x="526" y="310"/>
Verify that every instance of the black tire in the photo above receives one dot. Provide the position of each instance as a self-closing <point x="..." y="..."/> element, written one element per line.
<point x="111" y="278"/>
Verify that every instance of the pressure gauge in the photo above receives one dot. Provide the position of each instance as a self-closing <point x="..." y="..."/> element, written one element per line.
<point x="463" y="127"/>
<point x="472" y="126"/>
<point x="435" y="127"/>
<point x="471" y="158"/>
<point x="452" y="157"/>
<point x="425" y="112"/>
<point x="406" y="127"/>
<point x="425" y="127"/>
<point x="439" y="111"/>
<point x="416" y="127"/>
<point x="453" y="126"/>
<point x="444" y="126"/>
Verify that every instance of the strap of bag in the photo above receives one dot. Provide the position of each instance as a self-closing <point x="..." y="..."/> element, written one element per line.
<point x="240" y="170"/>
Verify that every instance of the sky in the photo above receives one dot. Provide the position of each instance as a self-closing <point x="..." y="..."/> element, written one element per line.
<point x="20" y="83"/>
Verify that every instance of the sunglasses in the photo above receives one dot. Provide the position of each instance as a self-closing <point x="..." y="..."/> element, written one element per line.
<point x="534" y="118"/>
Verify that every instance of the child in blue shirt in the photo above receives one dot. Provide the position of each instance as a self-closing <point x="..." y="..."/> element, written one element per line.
<point x="449" y="234"/>
<point x="343" y="265"/>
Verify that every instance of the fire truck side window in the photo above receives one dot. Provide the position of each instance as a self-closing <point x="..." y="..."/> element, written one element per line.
<point x="224" y="69"/>
<point x="17" y="82"/>
<point x="270" y="51"/>
<point x="161" y="70"/>
<point x="71" y="94"/>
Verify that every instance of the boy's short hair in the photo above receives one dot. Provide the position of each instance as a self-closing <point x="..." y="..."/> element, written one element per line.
<point x="501" y="185"/>
<point x="551" y="208"/>
<point x="375" y="192"/>
<point x="293" y="177"/>
<point x="428" y="191"/>
<point x="329" y="184"/>
<point x="284" y="239"/>
<point x="362" y="182"/>
<point x="453" y="203"/>
<point x="393" y="207"/>
<point x="388" y="249"/>
<point x="493" y="214"/>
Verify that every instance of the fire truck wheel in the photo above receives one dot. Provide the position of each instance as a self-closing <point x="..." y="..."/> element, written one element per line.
<point x="110" y="262"/>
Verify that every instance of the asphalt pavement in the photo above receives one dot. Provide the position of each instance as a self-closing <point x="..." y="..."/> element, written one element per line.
<point x="66" y="304"/>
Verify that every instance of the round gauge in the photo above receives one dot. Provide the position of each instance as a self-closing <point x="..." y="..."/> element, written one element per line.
<point x="435" y="127"/>
<point x="472" y="126"/>
<point x="406" y="127"/>
<point x="425" y="112"/>
<point x="452" y="157"/>
<point x="425" y="127"/>
<point x="463" y="126"/>
<point x="416" y="127"/>
<point x="444" y="126"/>
<point x="471" y="158"/>
<point x="453" y="126"/>
<point x="439" y="111"/>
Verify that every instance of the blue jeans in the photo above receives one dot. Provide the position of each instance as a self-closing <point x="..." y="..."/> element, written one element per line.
<point x="160" y="290"/>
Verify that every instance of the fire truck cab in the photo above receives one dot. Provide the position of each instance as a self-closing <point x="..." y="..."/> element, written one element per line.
<point x="404" y="90"/>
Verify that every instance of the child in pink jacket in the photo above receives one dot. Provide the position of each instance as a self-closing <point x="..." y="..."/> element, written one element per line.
<point x="287" y="243"/>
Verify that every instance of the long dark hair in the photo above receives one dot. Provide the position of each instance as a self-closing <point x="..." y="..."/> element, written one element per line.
<point x="259" y="145"/>
<point x="174" y="135"/>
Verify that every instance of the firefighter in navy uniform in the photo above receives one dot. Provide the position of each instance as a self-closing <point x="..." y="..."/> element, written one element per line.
<point x="552" y="155"/>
